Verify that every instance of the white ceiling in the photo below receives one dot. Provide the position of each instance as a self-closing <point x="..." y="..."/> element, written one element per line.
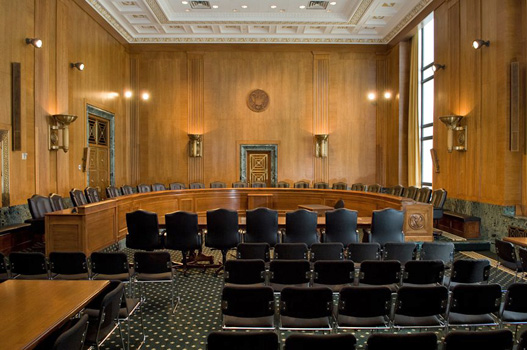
<point x="259" y="21"/>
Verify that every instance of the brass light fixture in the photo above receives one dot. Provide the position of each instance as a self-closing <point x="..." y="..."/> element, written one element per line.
<point x="321" y="145"/>
<point x="194" y="145"/>
<point x="452" y="123"/>
<point x="478" y="44"/>
<point x="78" y="65"/>
<point x="36" y="42"/>
<point x="60" y="122"/>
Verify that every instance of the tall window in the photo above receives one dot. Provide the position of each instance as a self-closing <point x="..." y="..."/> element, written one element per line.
<point x="426" y="97"/>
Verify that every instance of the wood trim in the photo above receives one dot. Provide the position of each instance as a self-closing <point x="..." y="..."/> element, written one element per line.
<point x="321" y="110"/>
<point x="196" y="111"/>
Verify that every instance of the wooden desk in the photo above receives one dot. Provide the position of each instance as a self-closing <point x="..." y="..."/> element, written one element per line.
<point x="33" y="309"/>
<point x="521" y="241"/>
<point x="320" y="209"/>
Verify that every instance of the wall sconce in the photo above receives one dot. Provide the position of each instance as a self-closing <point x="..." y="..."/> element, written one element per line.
<point x="194" y="145"/>
<point x="478" y="43"/>
<point x="321" y="145"/>
<point x="35" y="42"/>
<point x="452" y="121"/>
<point x="78" y="65"/>
<point x="437" y="66"/>
<point x="60" y="122"/>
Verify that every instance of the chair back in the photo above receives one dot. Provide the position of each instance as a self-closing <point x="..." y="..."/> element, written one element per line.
<point x="218" y="184"/>
<point x="515" y="299"/>
<point x="522" y="254"/>
<point x="143" y="188"/>
<point x="476" y="299"/>
<point x="411" y="192"/>
<point x="365" y="301"/>
<point x="112" y="192"/>
<point x="247" y="301"/>
<point x="327" y="251"/>
<point x="359" y="252"/>
<point x="506" y="251"/>
<point x="28" y="264"/>
<point x="403" y="251"/>
<point x="418" y="341"/>
<point x="245" y="271"/>
<point x="380" y="272"/>
<point x="253" y="251"/>
<point x="109" y="309"/>
<point x="143" y="230"/>
<point x="470" y="271"/>
<point x="240" y="340"/>
<point x="57" y="202"/>
<point x="126" y="189"/>
<point x="438" y="251"/>
<point x="290" y="251"/>
<point x="423" y="195"/>
<point x="375" y="188"/>
<point x="290" y="272"/>
<point x="152" y="262"/>
<point x="73" y="338"/>
<point x="501" y="339"/>
<point x="424" y="272"/>
<point x="196" y="185"/>
<point x="340" y="186"/>
<point x="283" y="184"/>
<point x="262" y="226"/>
<point x="301" y="184"/>
<point x="177" y="186"/>
<point x="39" y="206"/>
<point x="341" y="226"/>
<point x="182" y="231"/>
<point x="3" y="266"/>
<point x="301" y="227"/>
<point x="68" y="263"/>
<point x="396" y="190"/>
<point x="387" y="226"/>
<point x="92" y="195"/>
<point x="302" y="302"/>
<point x="258" y="184"/>
<point x="421" y="301"/>
<point x="109" y="263"/>
<point x="158" y="187"/>
<point x="339" y="204"/>
<point x="438" y="198"/>
<point x="77" y="197"/>
<point x="317" y="341"/>
<point x="333" y="272"/>
<point x="240" y="184"/>
<point x="222" y="229"/>
<point x="358" y="187"/>
<point x="321" y="185"/>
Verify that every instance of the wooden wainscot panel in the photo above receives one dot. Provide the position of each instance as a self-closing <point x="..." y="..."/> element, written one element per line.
<point x="259" y="200"/>
<point x="220" y="201"/>
<point x="160" y="203"/>
<point x="124" y="206"/>
<point x="64" y="232"/>
<point x="418" y="221"/>
<point x="186" y="204"/>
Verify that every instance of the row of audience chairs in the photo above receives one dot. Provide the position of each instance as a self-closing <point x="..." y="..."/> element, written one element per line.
<point x="370" y="307"/>
<point x="456" y="340"/>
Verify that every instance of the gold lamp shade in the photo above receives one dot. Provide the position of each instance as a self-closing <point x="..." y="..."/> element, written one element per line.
<point x="451" y="122"/>
<point x="62" y="121"/>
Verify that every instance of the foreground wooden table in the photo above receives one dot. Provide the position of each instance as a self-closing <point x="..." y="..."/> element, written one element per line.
<point x="30" y="310"/>
<point x="521" y="241"/>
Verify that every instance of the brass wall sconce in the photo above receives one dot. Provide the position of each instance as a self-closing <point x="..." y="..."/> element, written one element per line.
<point x="35" y="42"/>
<point x="321" y="145"/>
<point x="478" y="44"/>
<point x="452" y="123"/>
<point x="60" y="122"/>
<point x="437" y="66"/>
<point x="78" y="65"/>
<point x="194" y="145"/>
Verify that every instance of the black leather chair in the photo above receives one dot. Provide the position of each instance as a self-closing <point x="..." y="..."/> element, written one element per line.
<point x="411" y="192"/>
<point x="247" y="307"/>
<point x="501" y="339"/>
<point x="112" y="192"/>
<point x="143" y="188"/>
<point x="243" y="340"/>
<point x="303" y="308"/>
<point x="438" y="200"/>
<point x="335" y="274"/>
<point x="57" y="202"/>
<point x="340" y="186"/>
<point x="28" y="266"/>
<point x="423" y="195"/>
<point x="240" y="184"/>
<point x="327" y="251"/>
<point x="126" y="189"/>
<point x="514" y="309"/>
<point x="423" y="273"/>
<point x="177" y="186"/>
<point x="386" y="226"/>
<point x="507" y="257"/>
<point x="375" y="188"/>
<point x="397" y="190"/>
<point x="249" y="272"/>
<point x="438" y="251"/>
<point x="158" y="187"/>
<point x="222" y="231"/>
<point x="359" y="187"/>
<point x="92" y="195"/>
<point x="301" y="227"/>
<point x="182" y="233"/>
<point x="284" y="273"/>
<point x="254" y="251"/>
<point x="218" y="184"/>
<point x="258" y="184"/>
<point x="400" y="251"/>
<point x="143" y="231"/>
<point x="341" y="226"/>
<point x="283" y="184"/>
<point x="419" y="341"/>
<point x="469" y="271"/>
<point x="262" y="226"/>
<point x="38" y="207"/>
<point x="196" y="185"/>
<point x="68" y="266"/>
<point x="290" y="251"/>
<point x="301" y="184"/>
<point x="364" y="308"/>
<point x="359" y="252"/>
<point x="4" y="273"/>
<point x="321" y="185"/>
<point x="73" y="337"/>
<point x="380" y="273"/>
<point x="326" y="341"/>
<point x="111" y="266"/>
<point x="78" y="197"/>
<point x="420" y="307"/>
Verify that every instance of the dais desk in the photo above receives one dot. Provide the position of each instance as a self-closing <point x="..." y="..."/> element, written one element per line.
<point x="96" y="226"/>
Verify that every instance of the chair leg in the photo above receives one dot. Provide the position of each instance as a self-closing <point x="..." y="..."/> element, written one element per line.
<point x="121" y="335"/>
<point x="223" y="259"/>
<point x="142" y="325"/>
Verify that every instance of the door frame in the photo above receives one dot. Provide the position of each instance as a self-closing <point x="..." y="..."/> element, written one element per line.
<point x="101" y="113"/>
<point x="273" y="148"/>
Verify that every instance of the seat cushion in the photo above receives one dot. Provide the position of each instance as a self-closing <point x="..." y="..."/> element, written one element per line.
<point x="32" y="277"/>
<point x="425" y="321"/>
<point x="334" y="287"/>
<point x="79" y="276"/>
<point x="456" y="318"/>
<point x="277" y="287"/>
<point x="305" y="323"/>
<point x="248" y="322"/>
<point x="361" y="322"/>
<point x="393" y="287"/>
<point x="123" y="277"/>
<point x="512" y="316"/>
<point x="165" y="276"/>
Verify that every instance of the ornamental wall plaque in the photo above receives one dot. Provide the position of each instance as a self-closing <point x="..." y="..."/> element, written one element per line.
<point x="417" y="221"/>
<point x="258" y="100"/>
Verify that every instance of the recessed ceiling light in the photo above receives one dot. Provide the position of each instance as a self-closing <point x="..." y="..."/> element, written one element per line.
<point x="333" y="3"/>
<point x="234" y="10"/>
<point x="273" y="6"/>
<point x="244" y="6"/>
<point x="302" y="6"/>
<point x="328" y="10"/>
<point x="184" y="2"/>
<point x="282" y="10"/>
<point x="215" y="6"/>
<point x="187" y="10"/>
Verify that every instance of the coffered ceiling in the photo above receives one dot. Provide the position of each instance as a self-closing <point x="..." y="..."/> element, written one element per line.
<point x="259" y="21"/>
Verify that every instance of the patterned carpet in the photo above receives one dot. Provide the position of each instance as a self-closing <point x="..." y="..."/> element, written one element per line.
<point x="198" y="312"/>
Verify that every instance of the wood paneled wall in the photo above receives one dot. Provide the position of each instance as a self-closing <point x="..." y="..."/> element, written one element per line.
<point x="50" y="86"/>
<point x="476" y="84"/>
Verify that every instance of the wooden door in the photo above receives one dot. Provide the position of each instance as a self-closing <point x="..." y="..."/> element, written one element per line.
<point x="99" y="164"/>
<point x="259" y="167"/>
